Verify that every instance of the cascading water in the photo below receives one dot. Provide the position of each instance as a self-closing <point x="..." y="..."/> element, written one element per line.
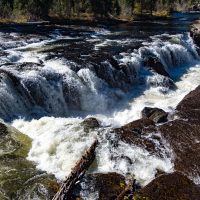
<point x="50" y="83"/>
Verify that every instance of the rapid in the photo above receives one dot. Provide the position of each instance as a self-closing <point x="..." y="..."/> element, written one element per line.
<point x="53" y="77"/>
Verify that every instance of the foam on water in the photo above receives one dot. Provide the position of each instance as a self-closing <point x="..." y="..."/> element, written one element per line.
<point x="152" y="97"/>
<point x="57" y="143"/>
<point x="56" y="89"/>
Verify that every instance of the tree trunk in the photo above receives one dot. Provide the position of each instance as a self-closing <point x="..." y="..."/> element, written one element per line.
<point x="77" y="173"/>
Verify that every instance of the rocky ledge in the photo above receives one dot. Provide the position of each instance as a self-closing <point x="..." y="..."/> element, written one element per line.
<point x="195" y="32"/>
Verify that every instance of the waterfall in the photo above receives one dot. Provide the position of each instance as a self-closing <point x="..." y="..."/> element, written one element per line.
<point x="59" y="87"/>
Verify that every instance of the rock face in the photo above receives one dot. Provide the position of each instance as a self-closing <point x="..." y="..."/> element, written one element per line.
<point x="195" y="33"/>
<point x="155" y="114"/>
<point x="184" y="134"/>
<point x="154" y="64"/>
<point x="183" y="137"/>
<point x="135" y="132"/>
<point x="19" y="178"/>
<point x="173" y="186"/>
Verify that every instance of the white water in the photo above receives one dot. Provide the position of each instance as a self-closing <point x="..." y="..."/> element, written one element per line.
<point x="59" y="142"/>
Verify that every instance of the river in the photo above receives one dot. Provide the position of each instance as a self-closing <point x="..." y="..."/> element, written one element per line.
<point x="52" y="77"/>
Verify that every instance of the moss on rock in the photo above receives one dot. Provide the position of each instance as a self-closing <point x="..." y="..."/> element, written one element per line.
<point x="19" y="178"/>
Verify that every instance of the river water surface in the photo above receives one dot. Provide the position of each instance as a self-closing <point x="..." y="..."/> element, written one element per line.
<point x="53" y="77"/>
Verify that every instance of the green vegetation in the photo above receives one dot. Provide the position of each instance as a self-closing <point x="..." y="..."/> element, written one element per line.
<point x="23" y="10"/>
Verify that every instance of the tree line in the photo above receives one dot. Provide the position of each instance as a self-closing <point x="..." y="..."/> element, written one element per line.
<point x="41" y="9"/>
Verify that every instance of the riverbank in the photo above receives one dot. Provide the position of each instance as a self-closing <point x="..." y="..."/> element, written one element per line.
<point x="89" y="21"/>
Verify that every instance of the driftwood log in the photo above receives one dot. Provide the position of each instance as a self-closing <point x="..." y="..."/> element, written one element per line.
<point x="77" y="173"/>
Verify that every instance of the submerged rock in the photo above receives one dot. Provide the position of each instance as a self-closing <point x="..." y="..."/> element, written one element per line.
<point x="19" y="178"/>
<point x="156" y="114"/>
<point x="173" y="186"/>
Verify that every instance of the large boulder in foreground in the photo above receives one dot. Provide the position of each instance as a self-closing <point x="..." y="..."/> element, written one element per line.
<point x="19" y="178"/>
<point x="183" y="135"/>
<point x="189" y="107"/>
<point x="173" y="186"/>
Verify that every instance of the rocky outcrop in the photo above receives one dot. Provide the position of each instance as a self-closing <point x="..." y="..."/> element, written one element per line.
<point x="189" y="107"/>
<point x="134" y="133"/>
<point x="173" y="186"/>
<point x="183" y="137"/>
<point x="154" y="64"/>
<point x="19" y="178"/>
<point x="155" y="114"/>
<point x="195" y="32"/>
<point x="183" y="134"/>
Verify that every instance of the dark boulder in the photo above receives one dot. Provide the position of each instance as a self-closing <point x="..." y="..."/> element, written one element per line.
<point x="189" y="107"/>
<point x="155" y="114"/>
<point x="183" y="134"/>
<point x="195" y="33"/>
<point x="134" y="133"/>
<point x="108" y="186"/>
<point x="154" y="64"/>
<point x="173" y="186"/>
<point x="90" y="123"/>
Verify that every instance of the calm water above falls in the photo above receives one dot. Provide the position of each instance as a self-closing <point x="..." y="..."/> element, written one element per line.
<point x="52" y="77"/>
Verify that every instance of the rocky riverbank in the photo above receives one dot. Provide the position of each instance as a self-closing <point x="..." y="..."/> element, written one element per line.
<point x="182" y="134"/>
<point x="181" y="131"/>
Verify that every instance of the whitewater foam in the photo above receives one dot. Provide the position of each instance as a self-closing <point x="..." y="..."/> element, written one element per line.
<point x="55" y="89"/>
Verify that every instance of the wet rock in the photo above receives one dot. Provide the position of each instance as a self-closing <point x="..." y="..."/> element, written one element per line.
<point x="154" y="64"/>
<point x="183" y="138"/>
<point x="189" y="107"/>
<point x="155" y="114"/>
<point x="165" y="84"/>
<point x="183" y="135"/>
<point x="173" y="186"/>
<point x="90" y="123"/>
<point x="134" y="133"/>
<point x="19" y="178"/>
<point x="195" y="33"/>
<point x="106" y="186"/>
<point x="25" y="66"/>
